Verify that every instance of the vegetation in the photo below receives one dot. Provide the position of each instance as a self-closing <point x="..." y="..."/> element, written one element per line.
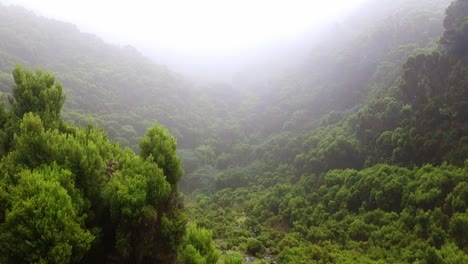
<point x="357" y="156"/>
<point x="355" y="186"/>
<point x="455" y="36"/>
<point x="199" y="247"/>
<point x="384" y="213"/>
<point x="70" y="195"/>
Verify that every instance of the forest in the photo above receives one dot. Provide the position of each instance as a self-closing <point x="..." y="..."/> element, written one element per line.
<point x="359" y="154"/>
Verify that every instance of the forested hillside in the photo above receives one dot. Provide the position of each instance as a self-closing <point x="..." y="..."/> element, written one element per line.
<point x="115" y="87"/>
<point x="69" y="194"/>
<point x="331" y="110"/>
<point x="357" y="155"/>
<point x="388" y="110"/>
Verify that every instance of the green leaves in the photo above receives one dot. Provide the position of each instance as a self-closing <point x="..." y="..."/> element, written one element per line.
<point x="143" y="202"/>
<point x="255" y="247"/>
<point x="455" y="38"/>
<point x="136" y="191"/>
<point x="382" y="214"/>
<point x="38" y="93"/>
<point x="199" y="247"/>
<point x="62" y="186"/>
<point x="161" y="147"/>
<point x="459" y="229"/>
<point x="43" y="224"/>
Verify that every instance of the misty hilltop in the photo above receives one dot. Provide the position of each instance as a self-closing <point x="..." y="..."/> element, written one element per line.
<point x="346" y="143"/>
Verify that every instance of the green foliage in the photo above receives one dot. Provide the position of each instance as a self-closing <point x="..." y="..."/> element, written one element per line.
<point x="7" y="128"/>
<point x="304" y="254"/>
<point x="68" y="194"/>
<point x="377" y="215"/>
<point x="323" y="164"/>
<point x="255" y="247"/>
<point x="31" y="146"/>
<point x="233" y="258"/>
<point x="353" y="187"/>
<point x="161" y="146"/>
<point x="199" y="247"/>
<point x="459" y="229"/>
<point x="449" y="253"/>
<point x="39" y="93"/>
<point x="134" y="195"/>
<point x="42" y="225"/>
<point x="432" y="257"/>
<point x="455" y="38"/>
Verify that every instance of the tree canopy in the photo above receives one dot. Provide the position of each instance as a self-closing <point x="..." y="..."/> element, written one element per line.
<point x="455" y="38"/>
<point x="70" y="195"/>
<point x="358" y="155"/>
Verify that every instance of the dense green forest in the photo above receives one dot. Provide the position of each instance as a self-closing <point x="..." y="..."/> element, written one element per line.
<point x="67" y="192"/>
<point x="357" y="155"/>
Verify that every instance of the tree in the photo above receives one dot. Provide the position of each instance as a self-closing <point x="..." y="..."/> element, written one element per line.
<point x="134" y="196"/>
<point x="255" y="247"/>
<point x="31" y="148"/>
<point x="149" y="226"/>
<point x="7" y="128"/>
<point x="199" y="246"/>
<point x="159" y="144"/>
<point x="38" y="93"/>
<point x="42" y="225"/>
<point x="459" y="229"/>
<point x="233" y="258"/>
<point x="455" y="38"/>
<point x="62" y="186"/>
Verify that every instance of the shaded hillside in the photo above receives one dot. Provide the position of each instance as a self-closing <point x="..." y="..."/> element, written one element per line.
<point x="411" y="111"/>
<point x="118" y="87"/>
<point x="357" y="58"/>
<point x="358" y="155"/>
<point x="330" y="111"/>
<point x="124" y="92"/>
<point x="381" y="176"/>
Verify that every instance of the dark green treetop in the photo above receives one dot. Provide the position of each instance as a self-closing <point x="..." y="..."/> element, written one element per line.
<point x="158" y="143"/>
<point x="37" y="92"/>
<point x="42" y="225"/>
<point x="455" y="38"/>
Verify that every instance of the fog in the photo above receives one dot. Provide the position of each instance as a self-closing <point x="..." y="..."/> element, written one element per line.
<point x="203" y="39"/>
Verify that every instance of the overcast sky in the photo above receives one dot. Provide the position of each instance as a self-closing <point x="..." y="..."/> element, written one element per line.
<point x="192" y="25"/>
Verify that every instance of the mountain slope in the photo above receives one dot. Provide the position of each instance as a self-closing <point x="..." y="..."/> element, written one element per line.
<point x="357" y="156"/>
<point x="117" y="87"/>
<point x="381" y="176"/>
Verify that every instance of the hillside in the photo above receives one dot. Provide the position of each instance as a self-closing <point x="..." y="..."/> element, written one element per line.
<point x="338" y="170"/>
<point x="356" y="155"/>
<point x="115" y="87"/>
<point x="337" y="97"/>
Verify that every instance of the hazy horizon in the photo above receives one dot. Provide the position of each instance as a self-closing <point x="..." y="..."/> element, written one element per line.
<point x="196" y="37"/>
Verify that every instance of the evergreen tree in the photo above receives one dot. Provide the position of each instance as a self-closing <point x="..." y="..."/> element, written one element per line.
<point x="42" y="225"/>
<point x="161" y="146"/>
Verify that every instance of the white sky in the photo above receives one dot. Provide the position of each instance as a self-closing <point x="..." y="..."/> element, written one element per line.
<point x="192" y="26"/>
